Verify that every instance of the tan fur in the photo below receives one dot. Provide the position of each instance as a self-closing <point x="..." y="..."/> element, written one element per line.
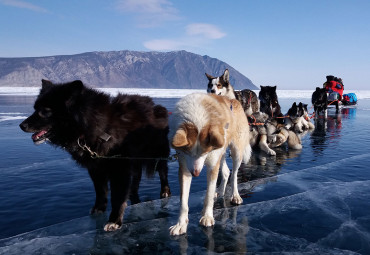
<point x="203" y="140"/>
<point x="185" y="136"/>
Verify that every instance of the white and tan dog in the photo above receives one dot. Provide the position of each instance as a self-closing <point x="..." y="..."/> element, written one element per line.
<point x="202" y="127"/>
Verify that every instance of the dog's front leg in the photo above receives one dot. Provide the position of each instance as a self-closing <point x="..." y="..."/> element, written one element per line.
<point x="304" y="123"/>
<point x="120" y="184"/>
<point x="299" y="126"/>
<point x="207" y="219"/>
<point x="185" y="182"/>
<point x="100" y="181"/>
<point x="264" y="147"/>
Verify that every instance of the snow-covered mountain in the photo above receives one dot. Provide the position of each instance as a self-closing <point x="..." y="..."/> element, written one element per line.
<point x="130" y="69"/>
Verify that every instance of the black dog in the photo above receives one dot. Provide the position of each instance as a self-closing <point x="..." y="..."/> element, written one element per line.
<point x="249" y="101"/>
<point x="94" y="127"/>
<point x="269" y="102"/>
<point x="320" y="101"/>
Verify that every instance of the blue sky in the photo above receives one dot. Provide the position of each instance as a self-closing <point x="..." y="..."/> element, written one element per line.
<point x="293" y="44"/>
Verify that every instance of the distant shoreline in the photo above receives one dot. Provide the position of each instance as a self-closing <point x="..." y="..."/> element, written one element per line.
<point x="170" y="93"/>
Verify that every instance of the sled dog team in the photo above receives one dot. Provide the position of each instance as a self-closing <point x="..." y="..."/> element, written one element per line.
<point x="116" y="137"/>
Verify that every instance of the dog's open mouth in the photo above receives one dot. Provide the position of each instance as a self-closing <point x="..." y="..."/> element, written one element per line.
<point x="40" y="137"/>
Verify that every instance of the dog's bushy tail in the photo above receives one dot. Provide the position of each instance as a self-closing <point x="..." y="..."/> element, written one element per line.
<point x="247" y="154"/>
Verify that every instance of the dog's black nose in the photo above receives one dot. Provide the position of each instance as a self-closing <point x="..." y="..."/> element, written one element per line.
<point x="213" y="91"/>
<point x="23" y="126"/>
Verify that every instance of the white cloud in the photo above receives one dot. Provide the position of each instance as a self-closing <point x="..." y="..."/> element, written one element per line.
<point x="207" y="30"/>
<point x="164" y="44"/>
<point x="23" y="5"/>
<point x="196" y="36"/>
<point x="146" y="6"/>
<point x="150" y="12"/>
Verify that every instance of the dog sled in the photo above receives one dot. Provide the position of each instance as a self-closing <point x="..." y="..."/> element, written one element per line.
<point x="334" y="89"/>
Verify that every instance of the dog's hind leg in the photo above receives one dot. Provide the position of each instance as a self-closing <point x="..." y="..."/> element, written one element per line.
<point x="185" y="182"/>
<point x="163" y="176"/>
<point x="237" y="155"/>
<point x="225" y="173"/>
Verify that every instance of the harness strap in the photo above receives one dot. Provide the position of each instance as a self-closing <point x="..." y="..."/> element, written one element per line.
<point x="95" y="155"/>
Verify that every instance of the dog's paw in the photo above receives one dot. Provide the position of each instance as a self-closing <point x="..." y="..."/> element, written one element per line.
<point x="178" y="229"/>
<point x="271" y="153"/>
<point x="207" y="221"/>
<point x="95" y="211"/>
<point x="236" y="200"/>
<point x="219" y="194"/>
<point x="110" y="226"/>
<point x="165" y="192"/>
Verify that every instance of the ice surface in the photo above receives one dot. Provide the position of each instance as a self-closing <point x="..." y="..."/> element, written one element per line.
<point x="317" y="215"/>
<point x="313" y="201"/>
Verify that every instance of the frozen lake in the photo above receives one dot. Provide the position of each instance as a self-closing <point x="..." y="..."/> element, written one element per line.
<point x="312" y="201"/>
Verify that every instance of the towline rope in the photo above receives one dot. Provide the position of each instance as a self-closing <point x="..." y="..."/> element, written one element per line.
<point x="313" y="114"/>
<point x="95" y="155"/>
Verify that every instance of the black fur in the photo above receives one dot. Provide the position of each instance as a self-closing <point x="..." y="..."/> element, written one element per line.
<point x="319" y="100"/>
<point x="248" y="99"/>
<point x="126" y="125"/>
<point x="269" y="102"/>
<point x="293" y="111"/>
<point x="302" y="108"/>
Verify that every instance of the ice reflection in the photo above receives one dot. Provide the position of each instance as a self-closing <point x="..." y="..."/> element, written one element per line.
<point x="328" y="130"/>
<point x="321" y="219"/>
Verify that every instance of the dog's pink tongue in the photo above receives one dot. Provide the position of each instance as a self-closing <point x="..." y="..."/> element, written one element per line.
<point x="35" y="136"/>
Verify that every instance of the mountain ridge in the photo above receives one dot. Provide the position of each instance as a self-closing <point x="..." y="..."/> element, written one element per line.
<point x="130" y="69"/>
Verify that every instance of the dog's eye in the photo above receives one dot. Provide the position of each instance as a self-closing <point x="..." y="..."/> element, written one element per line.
<point x="45" y="113"/>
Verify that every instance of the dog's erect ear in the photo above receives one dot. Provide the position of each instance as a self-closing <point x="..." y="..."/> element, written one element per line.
<point x="226" y="76"/>
<point x="318" y="88"/>
<point x="294" y="104"/>
<point x="77" y="84"/>
<point x="180" y="139"/>
<point x="210" y="77"/>
<point x="75" y="87"/>
<point x="274" y="88"/>
<point x="45" y="85"/>
<point x="216" y="137"/>
<point x="74" y="90"/>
